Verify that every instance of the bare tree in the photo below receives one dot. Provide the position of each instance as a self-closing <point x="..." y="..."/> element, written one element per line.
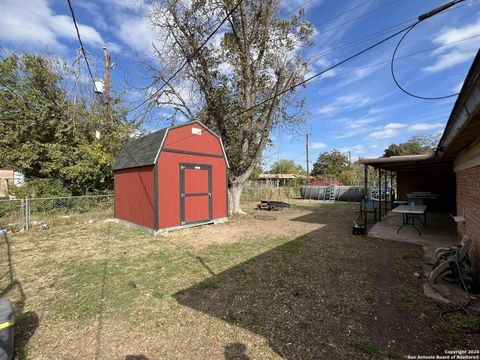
<point x="253" y="57"/>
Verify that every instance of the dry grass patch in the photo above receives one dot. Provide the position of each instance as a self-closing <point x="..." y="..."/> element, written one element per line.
<point x="300" y="286"/>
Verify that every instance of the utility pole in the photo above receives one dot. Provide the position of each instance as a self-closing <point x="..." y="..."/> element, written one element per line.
<point x="350" y="158"/>
<point x="308" y="161"/>
<point x="106" y="93"/>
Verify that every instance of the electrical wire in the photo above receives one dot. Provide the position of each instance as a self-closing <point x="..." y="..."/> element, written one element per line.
<point x="375" y="34"/>
<point x="392" y="71"/>
<point x="352" y="19"/>
<point x="303" y="82"/>
<point x="82" y="48"/>
<point x="387" y="61"/>
<point x="195" y="52"/>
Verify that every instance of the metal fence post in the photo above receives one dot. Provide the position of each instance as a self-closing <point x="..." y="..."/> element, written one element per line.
<point x="27" y="213"/>
<point x="22" y="214"/>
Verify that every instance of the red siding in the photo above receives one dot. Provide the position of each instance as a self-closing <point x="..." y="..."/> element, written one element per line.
<point x="134" y="195"/>
<point x="182" y="139"/>
<point x="134" y="188"/>
<point x="169" y="186"/>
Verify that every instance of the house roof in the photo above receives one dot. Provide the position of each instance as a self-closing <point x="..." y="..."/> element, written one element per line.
<point x="140" y="152"/>
<point x="277" y="176"/>
<point x="463" y="126"/>
<point x="144" y="150"/>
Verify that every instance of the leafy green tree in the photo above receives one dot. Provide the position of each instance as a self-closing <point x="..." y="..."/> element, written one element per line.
<point x="256" y="56"/>
<point x="330" y="164"/>
<point x="286" y="167"/>
<point x="416" y="145"/>
<point x="49" y="134"/>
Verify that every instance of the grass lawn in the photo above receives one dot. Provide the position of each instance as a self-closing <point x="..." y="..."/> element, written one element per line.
<point x="297" y="287"/>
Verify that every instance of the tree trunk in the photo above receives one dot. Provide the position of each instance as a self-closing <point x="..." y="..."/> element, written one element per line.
<point x="234" y="195"/>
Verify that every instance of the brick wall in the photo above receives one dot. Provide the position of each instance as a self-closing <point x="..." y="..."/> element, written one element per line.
<point x="468" y="205"/>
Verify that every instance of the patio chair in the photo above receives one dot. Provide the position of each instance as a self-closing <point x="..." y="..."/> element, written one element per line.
<point x="368" y="207"/>
<point x="449" y="260"/>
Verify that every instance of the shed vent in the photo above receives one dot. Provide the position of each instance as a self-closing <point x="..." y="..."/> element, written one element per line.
<point x="196" y="131"/>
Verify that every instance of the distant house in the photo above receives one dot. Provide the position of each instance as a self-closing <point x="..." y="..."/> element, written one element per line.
<point x="8" y="176"/>
<point x="277" y="179"/>
<point x="453" y="172"/>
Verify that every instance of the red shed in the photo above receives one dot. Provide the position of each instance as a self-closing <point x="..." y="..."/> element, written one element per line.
<point x="172" y="178"/>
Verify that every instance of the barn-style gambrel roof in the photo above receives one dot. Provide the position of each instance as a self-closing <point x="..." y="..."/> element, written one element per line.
<point x="144" y="150"/>
<point x="141" y="151"/>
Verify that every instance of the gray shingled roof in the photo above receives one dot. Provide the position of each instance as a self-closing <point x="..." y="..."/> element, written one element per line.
<point x="141" y="151"/>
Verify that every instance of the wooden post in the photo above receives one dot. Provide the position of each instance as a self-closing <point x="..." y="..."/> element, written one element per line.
<point x="391" y="190"/>
<point x="365" y="198"/>
<point x="106" y="94"/>
<point x="308" y="162"/>
<point x="386" y="189"/>
<point x="379" y="194"/>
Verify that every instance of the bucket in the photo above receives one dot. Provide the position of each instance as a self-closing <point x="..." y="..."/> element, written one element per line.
<point x="6" y="329"/>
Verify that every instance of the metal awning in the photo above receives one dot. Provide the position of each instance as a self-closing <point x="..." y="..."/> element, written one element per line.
<point x="409" y="163"/>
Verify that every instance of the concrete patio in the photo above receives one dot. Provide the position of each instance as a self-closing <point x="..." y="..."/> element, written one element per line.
<point x="439" y="232"/>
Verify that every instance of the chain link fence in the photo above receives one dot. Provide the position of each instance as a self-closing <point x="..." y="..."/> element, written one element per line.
<point x="12" y="214"/>
<point x="22" y="214"/>
<point x="256" y="192"/>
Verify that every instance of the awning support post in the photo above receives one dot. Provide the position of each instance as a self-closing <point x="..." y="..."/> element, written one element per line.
<point x="379" y="194"/>
<point x="365" y="198"/>
<point x="391" y="190"/>
<point x="386" y="191"/>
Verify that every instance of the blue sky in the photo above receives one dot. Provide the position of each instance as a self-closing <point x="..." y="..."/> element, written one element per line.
<point x="356" y="107"/>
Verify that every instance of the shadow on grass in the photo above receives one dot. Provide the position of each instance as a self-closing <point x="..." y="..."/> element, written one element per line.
<point x="300" y="295"/>
<point x="27" y="322"/>
<point x="235" y="351"/>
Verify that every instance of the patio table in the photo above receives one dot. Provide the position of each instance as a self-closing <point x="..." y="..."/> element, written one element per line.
<point x="410" y="213"/>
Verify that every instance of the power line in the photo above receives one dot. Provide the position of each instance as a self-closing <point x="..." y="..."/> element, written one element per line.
<point x="367" y="37"/>
<point x="387" y="61"/>
<point x="195" y="52"/>
<point x="353" y="19"/>
<point x="392" y="71"/>
<point x="375" y="34"/>
<point x="299" y="7"/>
<point x="322" y="72"/>
<point x="82" y="48"/>
<point x="333" y="17"/>
<point x="421" y="18"/>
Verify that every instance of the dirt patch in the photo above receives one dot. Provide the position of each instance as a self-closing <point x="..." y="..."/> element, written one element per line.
<point x="256" y="224"/>
<point x="298" y="287"/>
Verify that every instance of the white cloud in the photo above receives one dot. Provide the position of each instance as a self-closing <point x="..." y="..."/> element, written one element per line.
<point x="345" y="103"/>
<point x="318" y="145"/>
<point x="425" y="126"/>
<point x="394" y="126"/>
<point x="137" y="34"/>
<point x="460" y="52"/>
<point x="38" y="26"/>
<point x="387" y="131"/>
<point x="384" y="134"/>
<point x="355" y="149"/>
